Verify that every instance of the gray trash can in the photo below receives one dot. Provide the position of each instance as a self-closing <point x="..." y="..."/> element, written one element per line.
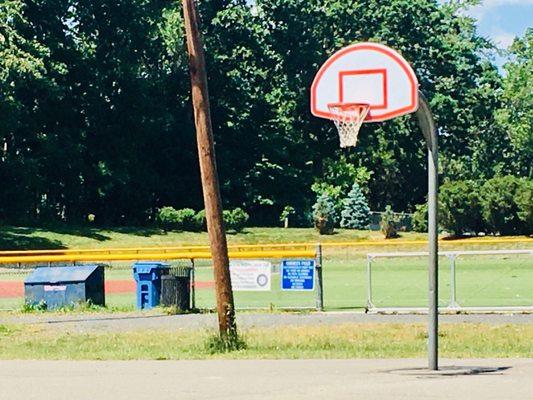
<point x="176" y="288"/>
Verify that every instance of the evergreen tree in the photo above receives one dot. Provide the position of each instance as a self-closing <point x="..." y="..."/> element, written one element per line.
<point x="324" y="214"/>
<point x="355" y="212"/>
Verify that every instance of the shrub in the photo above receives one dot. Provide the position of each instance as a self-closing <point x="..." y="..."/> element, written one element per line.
<point x="171" y="219"/>
<point x="167" y="218"/>
<point x="460" y="207"/>
<point x="324" y="215"/>
<point x="34" y="307"/>
<point x="235" y="219"/>
<point x="200" y="222"/>
<point x="355" y="213"/>
<point x="217" y="344"/>
<point x="504" y="204"/>
<point x="186" y="219"/>
<point x="420" y="218"/>
<point x="389" y="223"/>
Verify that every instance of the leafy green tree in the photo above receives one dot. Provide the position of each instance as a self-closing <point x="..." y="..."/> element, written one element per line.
<point x="524" y="201"/>
<point x="420" y="218"/>
<point x="445" y="51"/>
<point x="460" y="207"/>
<point x="516" y="114"/>
<point x="355" y="213"/>
<point x="285" y="214"/>
<point x="500" y="199"/>
<point x="96" y="114"/>
<point x="23" y="72"/>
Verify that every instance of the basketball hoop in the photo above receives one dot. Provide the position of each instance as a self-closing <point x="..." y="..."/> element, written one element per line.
<point x="348" y="118"/>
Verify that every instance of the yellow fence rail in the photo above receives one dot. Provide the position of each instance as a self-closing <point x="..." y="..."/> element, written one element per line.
<point x="273" y="250"/>
<point x="161" y="249"/>
<point x="30" y="259"/>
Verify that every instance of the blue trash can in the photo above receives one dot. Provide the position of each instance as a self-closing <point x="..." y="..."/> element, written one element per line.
<point x="65" y="286"/>
<point x="148" y="274"/>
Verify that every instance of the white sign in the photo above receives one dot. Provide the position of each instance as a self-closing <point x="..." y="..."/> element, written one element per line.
<point x="54" y="288"/>
<point x="250" y="275"/>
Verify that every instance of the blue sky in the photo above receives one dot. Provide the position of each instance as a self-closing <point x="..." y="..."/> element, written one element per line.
<point x="503" y="20"/>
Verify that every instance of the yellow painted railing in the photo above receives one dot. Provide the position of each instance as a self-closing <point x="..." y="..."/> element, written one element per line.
<point x="161" y="249"/>
<point x="273" y="250"/>
<point x="30" y="259"/>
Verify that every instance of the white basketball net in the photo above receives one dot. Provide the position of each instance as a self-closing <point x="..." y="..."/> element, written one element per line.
<point x="348" y="118"/>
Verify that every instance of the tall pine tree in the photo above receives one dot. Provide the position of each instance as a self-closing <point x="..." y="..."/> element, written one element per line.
<point x="355" y="212"/>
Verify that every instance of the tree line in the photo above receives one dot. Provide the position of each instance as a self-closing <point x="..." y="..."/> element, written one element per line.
<point x="96" y="114"/>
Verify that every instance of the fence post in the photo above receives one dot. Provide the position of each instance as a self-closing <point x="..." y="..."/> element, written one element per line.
<point x="320" y="288"/>
<point x="453" y="297"/>
<point x="193" y="286"/>
<point x="369" y="304"/>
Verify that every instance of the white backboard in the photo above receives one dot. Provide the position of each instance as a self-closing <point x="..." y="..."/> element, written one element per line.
<point x="368" y="73"/>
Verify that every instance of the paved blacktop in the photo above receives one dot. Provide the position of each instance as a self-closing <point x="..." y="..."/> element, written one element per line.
<point x="116" y="322"/>
<point x="485" y="379"/>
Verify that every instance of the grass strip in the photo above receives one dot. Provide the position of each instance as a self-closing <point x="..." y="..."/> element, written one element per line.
<point x="340" y="341"/>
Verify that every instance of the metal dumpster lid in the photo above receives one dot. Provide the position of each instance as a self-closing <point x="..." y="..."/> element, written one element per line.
<point x="61" y="274"/>
<point x="146" y="267"/>
<point x="151" y="263"/>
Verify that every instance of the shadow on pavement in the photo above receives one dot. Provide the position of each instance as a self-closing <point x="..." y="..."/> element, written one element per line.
<point x="449" y="371"/>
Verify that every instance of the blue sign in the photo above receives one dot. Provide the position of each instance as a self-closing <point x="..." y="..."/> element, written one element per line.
<point x="298" y="275"/>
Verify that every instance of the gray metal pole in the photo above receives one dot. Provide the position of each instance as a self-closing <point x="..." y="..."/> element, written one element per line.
<point x="193" y="285"/>
<point x="369" y="304"/>
<point x="427" y="124"/>
<point x="453" y="298"/>
<point x="319" y="287"/>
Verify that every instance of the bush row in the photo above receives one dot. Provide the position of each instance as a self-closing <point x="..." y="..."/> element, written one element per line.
<point x="501" y="205"/>
<point x="187" y="219"/>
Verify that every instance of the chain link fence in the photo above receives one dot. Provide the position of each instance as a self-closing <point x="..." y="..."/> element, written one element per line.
<point x="120" y="286"/>
<point x="485" y="279"/>
<point x="481" y="280"/>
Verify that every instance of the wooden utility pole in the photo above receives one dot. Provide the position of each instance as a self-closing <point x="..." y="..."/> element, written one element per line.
<point x="208" y="169"/>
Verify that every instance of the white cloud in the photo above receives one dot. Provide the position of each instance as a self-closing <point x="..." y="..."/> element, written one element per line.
<point x="503" y="39"/>
<point x="497" y="3"/>
<point x="481" y="10"/>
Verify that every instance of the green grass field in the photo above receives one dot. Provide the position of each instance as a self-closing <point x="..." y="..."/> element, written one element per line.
<point x="25" y="238"/>
<point x="340" y="341"/>
<point x="22" y="238"/>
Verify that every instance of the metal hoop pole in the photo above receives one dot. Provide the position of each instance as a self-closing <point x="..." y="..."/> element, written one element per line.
<point x="427" y="125"/>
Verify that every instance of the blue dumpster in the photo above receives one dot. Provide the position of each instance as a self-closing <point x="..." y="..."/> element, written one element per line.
<point x="64" y="286"/>
<point x="148" y="274"/>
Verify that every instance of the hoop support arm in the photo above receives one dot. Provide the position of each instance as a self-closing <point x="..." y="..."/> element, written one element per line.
<point x="427" y="125"/>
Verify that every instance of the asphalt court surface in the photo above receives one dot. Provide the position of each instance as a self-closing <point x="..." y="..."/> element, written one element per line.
<point x="397" y="379"/>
